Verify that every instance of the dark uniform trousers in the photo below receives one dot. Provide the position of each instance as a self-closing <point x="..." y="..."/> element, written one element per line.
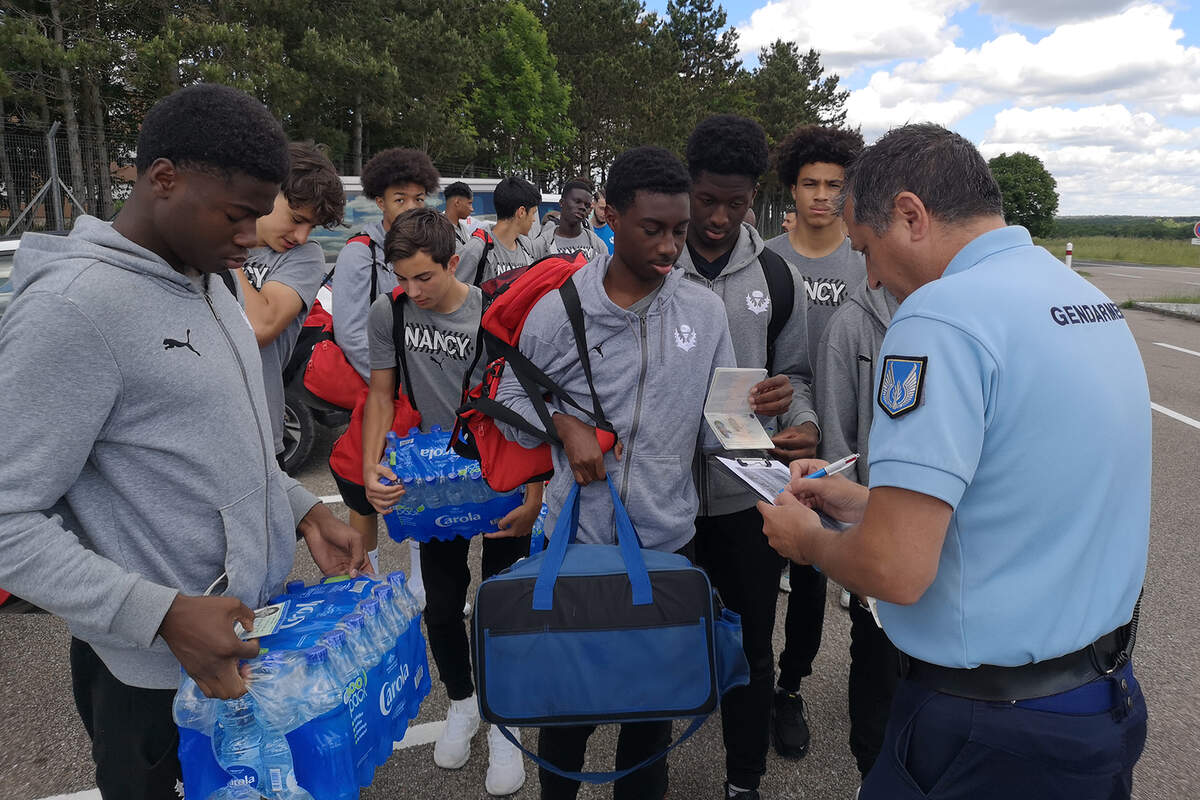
<point x="134" y="739"/>
<point x="951" y="748"/>
<point x="745" y="572"/>
<point x="874" y="671"/>
<point x="447" y="576"/>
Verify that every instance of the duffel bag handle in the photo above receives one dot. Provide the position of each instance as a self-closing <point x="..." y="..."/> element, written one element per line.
<point x="564" y="533"/>
<point x="603" y="777"/>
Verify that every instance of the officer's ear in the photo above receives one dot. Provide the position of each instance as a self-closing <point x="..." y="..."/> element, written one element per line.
<point x="909" y="211"/>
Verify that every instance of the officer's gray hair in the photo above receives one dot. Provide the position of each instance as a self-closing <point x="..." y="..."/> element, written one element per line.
<point x="938" y="166"/>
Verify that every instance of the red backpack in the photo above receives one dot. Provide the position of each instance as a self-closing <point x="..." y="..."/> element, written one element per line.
<point x="508" y="299"/>
<point x="327" y="373"/>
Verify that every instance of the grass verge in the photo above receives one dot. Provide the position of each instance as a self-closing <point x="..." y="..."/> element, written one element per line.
<point x="1170" y="298"/>
<point x="1166" y="252"/>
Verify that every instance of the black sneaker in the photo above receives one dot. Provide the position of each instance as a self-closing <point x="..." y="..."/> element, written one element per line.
<point x="789" y="725"/>
<point x="749" y="794"/>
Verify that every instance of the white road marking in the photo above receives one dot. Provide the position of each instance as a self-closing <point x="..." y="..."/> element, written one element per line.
<point x="1180" y="349"/>
<point x="1176" y="270"/>
<point x="330" y="498"/>
<point x="87" y="794"/>
<point x="1123" y="275"/>
<point x="1176" y="415"/>
<point x="417" y="735"/>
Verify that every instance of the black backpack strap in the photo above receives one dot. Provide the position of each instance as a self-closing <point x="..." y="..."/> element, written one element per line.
<point x="488" y="244"/>
<point x="782" y="292"/>
<point x="398" y="304"/>
<point x="374" y="270"/>
<point x="570" y="298"/>
<point x="230" y="281"/>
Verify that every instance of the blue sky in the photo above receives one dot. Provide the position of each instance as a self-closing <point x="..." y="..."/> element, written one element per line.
<point x="1106" y="92"/>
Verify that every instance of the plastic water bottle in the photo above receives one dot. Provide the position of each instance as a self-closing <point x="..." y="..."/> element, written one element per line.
<point x="395" y="614"/>
<point x="237" y="741"/>
<point x="192" y="709"/>
<point x="276" y="682"/>
<point x="235" y="790"/>
<point x="347" y="674"/>
<point x="456" y="490"/>
<point x="389" y="692"/>
<point x="279" y="775"/>
<point x="323" y="749"/>
<point x="404" y="597"/>
<point x="365" y="650"/>
<point x="537" y="541"/>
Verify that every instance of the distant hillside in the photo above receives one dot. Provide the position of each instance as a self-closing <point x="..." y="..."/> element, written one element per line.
<point x="1132" y="227"/>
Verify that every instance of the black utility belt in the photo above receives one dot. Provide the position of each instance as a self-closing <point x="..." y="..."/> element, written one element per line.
<point x="1042" y="679"/>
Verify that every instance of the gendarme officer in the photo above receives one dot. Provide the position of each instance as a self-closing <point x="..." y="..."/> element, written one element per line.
<point x="1006" y="526"/>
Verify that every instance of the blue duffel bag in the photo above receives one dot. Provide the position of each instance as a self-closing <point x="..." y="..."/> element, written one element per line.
<point x="586" y="634"/>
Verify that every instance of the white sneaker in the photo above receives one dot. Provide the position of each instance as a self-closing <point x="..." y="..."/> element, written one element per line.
<point x="785" y="581"/>
<point x="467" y="610"/>
<point x="453" y="747"/>
<point x="844" y="600"/>
<point x="506" y="770"/>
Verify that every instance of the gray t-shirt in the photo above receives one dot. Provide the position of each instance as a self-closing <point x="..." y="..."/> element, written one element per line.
<point x="438" y="347"/>
<point x="499" y="258"/>
<point x="300" y="269"/>
<point x="827" y="281"/>
<point x="587" y="242"/>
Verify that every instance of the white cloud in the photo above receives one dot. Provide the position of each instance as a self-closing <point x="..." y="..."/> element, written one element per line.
<point x="1102" y="57"/>
<point x="1047" y="14"/>
<point x="1106" y="159"/>
<point x="1110" y="126"/>
<point x="854" y="33"/>
<point x="887" y="101"/>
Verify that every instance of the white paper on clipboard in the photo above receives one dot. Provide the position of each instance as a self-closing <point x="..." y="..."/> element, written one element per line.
<point x="727" y="409"/>
<point x="768" y="478"/>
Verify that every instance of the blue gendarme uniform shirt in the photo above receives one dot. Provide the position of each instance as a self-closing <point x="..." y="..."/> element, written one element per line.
<point x="1020" y="399"/>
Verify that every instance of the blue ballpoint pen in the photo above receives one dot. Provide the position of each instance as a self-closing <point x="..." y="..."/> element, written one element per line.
<point x="841" y="465"/>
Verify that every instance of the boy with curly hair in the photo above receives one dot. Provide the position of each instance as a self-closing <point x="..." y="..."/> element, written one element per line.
<point x="397" y="180"/>
<point x="811" y="162"/>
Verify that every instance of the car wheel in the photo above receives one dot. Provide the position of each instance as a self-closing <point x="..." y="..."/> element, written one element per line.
<point x="299" y="429"/>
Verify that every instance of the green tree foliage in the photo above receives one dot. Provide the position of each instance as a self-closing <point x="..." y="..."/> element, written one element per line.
<point x="550" y="88"/>
<point x="519" y="104"/>
<point x="1029" y="190"/>
<point x="708" y="51"/>
<point x="789" y="89"/>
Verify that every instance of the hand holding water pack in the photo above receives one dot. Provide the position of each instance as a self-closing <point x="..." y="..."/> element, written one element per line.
<point x="445" y="495"/>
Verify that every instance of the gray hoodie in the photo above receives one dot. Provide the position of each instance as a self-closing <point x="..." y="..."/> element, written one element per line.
<point x="742" y="287"/>
<point x="138" y="458"/>
<point x="652" y="375"/>
<point x="845" y="374"/>
<point x="352" y="296"/>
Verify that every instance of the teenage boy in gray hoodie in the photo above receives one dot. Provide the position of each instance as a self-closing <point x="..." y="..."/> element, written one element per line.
<point x="811" y="162"/>
<point x="846" y="404"/>
<point x="397" y="180"/>
<point x="726" y="155"/>
<point x="139" y="471"/>
<point x="655" y="341"/>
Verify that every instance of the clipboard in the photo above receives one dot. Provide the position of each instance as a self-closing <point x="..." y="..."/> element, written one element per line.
<point x="769" y="478"/>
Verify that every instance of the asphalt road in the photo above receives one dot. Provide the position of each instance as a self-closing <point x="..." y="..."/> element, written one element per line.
<point x="45" y="751"/>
